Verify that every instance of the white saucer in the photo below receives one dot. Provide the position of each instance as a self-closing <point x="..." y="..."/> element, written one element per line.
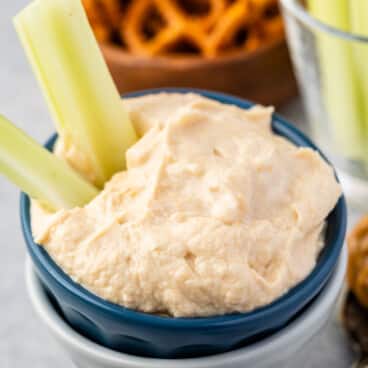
<point x="270" y="352"/>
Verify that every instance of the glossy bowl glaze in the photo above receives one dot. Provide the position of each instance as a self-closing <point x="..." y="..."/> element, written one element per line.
<point x="277" y="350"/>
<point x="150" y="335"/>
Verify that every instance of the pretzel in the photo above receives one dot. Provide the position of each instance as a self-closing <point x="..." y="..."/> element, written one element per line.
<point x="113" y="10"/>
<point x="178" y="26"/>
<point x="236" y="16"/>
<point x="262" y="6"/>
<point x="99" y="21"/>
<point x="204" y="27"/>
<point x="358" y="261"/>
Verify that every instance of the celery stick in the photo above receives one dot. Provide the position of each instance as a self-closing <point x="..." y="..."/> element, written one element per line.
<point x="38" y="172"/>
<point x="358" y="17"/>
<point x="359" y="25"/>
<point x="80" y="92"/>
<point x="341" y="91"/>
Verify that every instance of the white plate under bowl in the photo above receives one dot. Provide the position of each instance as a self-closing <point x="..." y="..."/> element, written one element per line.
<point x="272" y="351"/>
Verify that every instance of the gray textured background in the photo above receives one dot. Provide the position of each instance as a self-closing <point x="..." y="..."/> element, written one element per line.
<point x="23" y="340"/>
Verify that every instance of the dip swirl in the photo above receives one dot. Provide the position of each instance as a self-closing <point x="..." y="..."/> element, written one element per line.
<point x="215" y="213"/>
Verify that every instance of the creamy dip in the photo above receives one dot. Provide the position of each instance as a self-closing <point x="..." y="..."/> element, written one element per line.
<point x="215" y="213"/>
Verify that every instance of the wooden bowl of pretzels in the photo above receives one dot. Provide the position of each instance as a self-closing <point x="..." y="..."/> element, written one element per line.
<point x="233" y="46"/>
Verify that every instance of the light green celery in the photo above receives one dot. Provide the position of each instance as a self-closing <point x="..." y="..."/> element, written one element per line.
<point x="340" y="85"/>
<point x="39" y="173"/>
<point x="359" y="25"/>
<point x="80" y="92"/>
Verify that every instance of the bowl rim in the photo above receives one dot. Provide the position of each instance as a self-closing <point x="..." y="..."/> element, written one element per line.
<point x="271" y="345"/>
<point x="295" y="9"/>
<point x="302" y="290"/>
<point x="119" y="55"/>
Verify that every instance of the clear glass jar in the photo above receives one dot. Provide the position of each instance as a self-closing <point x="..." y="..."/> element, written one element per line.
<point x="332" y="71"/>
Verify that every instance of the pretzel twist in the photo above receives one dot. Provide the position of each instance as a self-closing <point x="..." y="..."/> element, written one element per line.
<point x="210" y="27"/>
<point x="98" y="19"/>
<point x="113" y="10"/>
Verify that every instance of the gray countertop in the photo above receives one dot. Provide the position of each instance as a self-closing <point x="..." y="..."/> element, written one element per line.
<point x="23" y="340"/>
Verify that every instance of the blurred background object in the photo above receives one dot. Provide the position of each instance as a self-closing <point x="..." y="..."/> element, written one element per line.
<point x="233" y="46"/>
<point x="329" y="44"/>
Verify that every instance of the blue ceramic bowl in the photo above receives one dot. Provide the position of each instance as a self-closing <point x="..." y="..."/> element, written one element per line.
<point x="143" y="334"/>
